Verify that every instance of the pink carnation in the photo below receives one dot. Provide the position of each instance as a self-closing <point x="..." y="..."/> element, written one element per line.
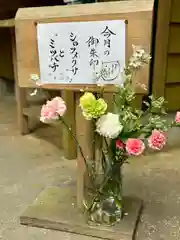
<point x="119" y="144"/>
<point x="177" y="118"/>
<point x="157" y="140"/>
<point x="135" y="146"/>
<point x="53" y="109"/>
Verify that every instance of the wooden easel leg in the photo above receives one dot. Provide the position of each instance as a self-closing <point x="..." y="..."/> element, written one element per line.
<point x="69" y="145"/>
<point x="20" y="93"/>
<point x="85" y="136"/>
<point x="137" y="103"/>
<point x="21" y="102"/>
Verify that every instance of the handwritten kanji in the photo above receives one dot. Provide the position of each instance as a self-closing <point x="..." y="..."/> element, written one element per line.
<point x="92" y="41"/>
<point x="107" y="32"/>
<point x="93" y="53"/>
<point x="54" y="66"/>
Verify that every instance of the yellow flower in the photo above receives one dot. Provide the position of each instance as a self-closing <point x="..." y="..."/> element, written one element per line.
<point x="87" y="100"/>
<point x="92" y="107"/>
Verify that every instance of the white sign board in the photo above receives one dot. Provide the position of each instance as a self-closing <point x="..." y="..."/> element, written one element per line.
<point x="82" y="52"/>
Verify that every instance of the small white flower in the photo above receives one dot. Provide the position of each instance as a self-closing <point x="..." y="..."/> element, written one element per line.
<point x="34" y="92"/>
<point x="38" y="84"/>
<point x="139" y="57"/>
<point x="109" y="126"/>
<point x="100" y="84"/>
<point x="34" y="77"/>
<point x="143" y="86"/>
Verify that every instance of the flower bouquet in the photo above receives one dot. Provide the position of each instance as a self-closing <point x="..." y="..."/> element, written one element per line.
<point x="121" y="134"/>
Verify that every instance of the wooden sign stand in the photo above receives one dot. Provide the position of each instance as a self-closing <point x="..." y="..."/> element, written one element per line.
<point x="139" y="17"/>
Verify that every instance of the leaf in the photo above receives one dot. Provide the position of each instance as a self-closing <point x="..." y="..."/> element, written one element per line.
<point x="103" y="160"/>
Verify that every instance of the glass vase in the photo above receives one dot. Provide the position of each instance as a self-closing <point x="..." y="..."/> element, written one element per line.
<point x="103" y="194"/>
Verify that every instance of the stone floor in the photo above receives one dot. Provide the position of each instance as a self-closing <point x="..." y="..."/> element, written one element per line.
<point x="30" y="163"/>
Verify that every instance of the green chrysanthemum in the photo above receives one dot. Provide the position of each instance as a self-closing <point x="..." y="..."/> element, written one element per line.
<point x="87" y="100"/>
<point x="92" y="107"/>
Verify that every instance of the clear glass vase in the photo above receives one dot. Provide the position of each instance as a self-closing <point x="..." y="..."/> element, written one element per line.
<point x="103" y="195"/>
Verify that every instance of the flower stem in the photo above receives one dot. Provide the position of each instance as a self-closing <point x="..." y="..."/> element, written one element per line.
<point x="76" y="141"/>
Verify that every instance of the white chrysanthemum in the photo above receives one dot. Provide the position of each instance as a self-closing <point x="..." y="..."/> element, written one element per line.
<point x="109" y="126"/>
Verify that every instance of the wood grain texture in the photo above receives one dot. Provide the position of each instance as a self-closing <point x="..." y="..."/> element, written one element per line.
<point x="173" y="68"/>
<point x="172" y="95"/>
<point x="69" y="145"/>
<point x="161" y="47"/>
<point x="174" y="38"/>
<point x="85" y="136"/>
<point x="82" y="10"/>
<point x="20" y="93"/>
<point x="175" y="16"/>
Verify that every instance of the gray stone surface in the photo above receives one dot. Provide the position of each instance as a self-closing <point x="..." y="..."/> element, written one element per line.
<point x="30" y="163"/>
